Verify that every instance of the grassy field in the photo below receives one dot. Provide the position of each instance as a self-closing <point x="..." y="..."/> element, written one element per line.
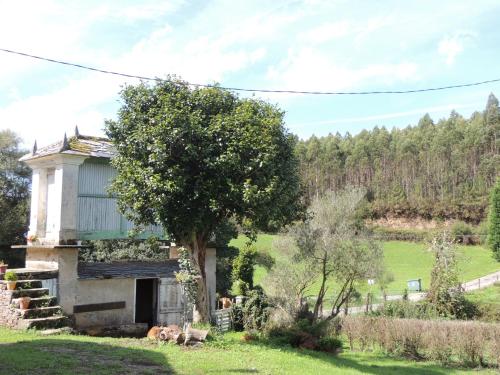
<point x="489" y="296"/>
<point x="405" y="260"/>
<point x="31" y="353"/>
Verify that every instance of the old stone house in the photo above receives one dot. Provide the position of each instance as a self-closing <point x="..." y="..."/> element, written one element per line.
<point x="70" y="203"/>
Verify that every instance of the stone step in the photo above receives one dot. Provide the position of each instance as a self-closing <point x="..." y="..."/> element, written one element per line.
<point x="44" y="323"/>
<point x="40" y="312"/>
<point x="43" y="302"/>
<point x="33" y="293"/>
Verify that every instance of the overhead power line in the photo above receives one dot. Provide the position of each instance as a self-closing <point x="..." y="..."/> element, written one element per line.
<point x="374" y="92"/>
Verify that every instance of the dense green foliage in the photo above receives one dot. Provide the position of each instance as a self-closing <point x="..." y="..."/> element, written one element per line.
<point x="116" y="250"/>
<point x="494" y="221"/>
<point x="14" y="198"/>
<point x="444" y="169"/>
<point x="243" y="269"/>
<point x="224" y="269"/>
<point x="190" y="159"/>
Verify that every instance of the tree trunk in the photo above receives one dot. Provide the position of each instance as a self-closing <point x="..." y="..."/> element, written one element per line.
<point x="198" y="246"/>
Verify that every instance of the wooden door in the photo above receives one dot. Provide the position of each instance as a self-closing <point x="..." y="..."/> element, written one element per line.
<point x="170" y="302"/>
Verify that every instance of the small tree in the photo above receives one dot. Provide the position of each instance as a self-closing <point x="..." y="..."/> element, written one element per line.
<point x="494" y="221"/>
<point x="445" y="292"/>
<point x="190" y="159"/>
<point x="328" y="247"/>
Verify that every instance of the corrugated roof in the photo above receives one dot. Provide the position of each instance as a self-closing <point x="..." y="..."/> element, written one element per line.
<point x="83" y="145"/>
<point x="128" y="269"/>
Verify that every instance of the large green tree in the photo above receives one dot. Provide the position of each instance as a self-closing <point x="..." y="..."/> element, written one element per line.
<point x="190" y="159"/>
<point x="494" y="220"/>
<point x="14" y="191"/>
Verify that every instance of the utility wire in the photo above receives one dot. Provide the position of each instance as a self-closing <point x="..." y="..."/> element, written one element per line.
<point x="375" y="92"/>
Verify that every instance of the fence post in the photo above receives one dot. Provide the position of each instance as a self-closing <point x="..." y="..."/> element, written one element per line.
<point x="479" y="283"/>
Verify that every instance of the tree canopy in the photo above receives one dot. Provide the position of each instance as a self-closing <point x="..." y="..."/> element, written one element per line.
<point x="189" y="159"/>
<point x="14" y="190"/>
<point x="494" y="221"/>
<point x="444" y="169"/>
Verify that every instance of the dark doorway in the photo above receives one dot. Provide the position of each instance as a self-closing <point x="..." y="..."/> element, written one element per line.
<point x="145" y="301"/>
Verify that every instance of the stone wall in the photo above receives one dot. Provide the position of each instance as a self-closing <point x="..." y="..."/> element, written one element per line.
<point x="105" y="291"/>
<point x="8" y="316"/>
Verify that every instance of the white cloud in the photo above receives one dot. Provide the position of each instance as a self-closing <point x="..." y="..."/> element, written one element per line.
<point x="311" y="69"/>
<point x="326" y="32"/>
<point x="452" y="46"/>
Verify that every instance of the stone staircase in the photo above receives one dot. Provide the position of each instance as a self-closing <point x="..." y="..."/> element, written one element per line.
<point x="43" y="312"/>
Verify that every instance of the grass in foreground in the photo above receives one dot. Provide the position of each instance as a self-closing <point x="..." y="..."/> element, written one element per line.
<point x="30" y="353"/>
<point x="405" y="260"/>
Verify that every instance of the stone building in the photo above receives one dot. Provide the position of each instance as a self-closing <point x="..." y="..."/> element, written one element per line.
<point x="70" y="203"/>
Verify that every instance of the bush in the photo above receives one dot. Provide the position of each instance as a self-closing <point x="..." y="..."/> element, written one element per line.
<point x="405" y="309"/>
<point x="237" y="317"/>
<point x="224" y="269"/>
<point x="244" y="264"/>
<point x="461" y="232"/>
<point x="256" y="309"/>
<point x="306" y="335"/>
<point x="471" y="343"/>
<point x="329" y="344"/>
<point x="391" y="234"/>
<point x="10" y="276"/>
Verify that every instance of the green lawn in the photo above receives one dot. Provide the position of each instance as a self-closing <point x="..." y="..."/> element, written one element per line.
<point x="405" y="260"/>
<point x="30" y="353"/>
<point x="488" y="296"/>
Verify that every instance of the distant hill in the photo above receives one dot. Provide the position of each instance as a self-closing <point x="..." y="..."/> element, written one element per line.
<point x="431" y="170"/>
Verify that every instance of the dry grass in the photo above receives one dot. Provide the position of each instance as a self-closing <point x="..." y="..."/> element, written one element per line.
<point x="468" y="343"/>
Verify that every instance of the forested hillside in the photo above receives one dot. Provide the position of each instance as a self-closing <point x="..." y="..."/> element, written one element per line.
<point x="432" y="170"/>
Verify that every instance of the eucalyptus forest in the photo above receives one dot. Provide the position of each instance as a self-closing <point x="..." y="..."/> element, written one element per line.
<point x="442" y="169"/>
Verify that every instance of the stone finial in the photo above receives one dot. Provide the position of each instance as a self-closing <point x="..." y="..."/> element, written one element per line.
<point x="77" y="133"/>
<point x="65" y="143"/>
<point x="33" y="152"/>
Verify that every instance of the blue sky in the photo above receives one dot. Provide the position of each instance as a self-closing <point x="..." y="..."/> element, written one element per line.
<point x="294" y="45"/>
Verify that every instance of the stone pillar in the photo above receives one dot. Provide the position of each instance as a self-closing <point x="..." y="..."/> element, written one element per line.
<point x="211" y="280"/>
<point x="67" y="278"/>
<point x="38" y="202"/>
<point x="66" y="180"/>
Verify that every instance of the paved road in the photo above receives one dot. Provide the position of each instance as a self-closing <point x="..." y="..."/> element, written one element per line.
<point x="479" y="283"/>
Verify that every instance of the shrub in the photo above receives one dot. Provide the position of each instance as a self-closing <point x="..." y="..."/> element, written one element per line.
<point x="392" y="234"/>
<point x="244" y="264"/>
<point x="10" y="276"/>
<point x="241" y="287"/>
<point x="306" y="335"/>
<point x="256" y="309"/>
<point x="237" y="317"/>
<point x="471" y="343"/>
<point x="461" y="232"/>
<point x="224" y="269"/>
<point x="407" y="310"/>
<point x="329" y="344"/>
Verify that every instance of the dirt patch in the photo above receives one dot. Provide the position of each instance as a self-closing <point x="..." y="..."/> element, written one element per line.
<point x="409" y="223"/>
